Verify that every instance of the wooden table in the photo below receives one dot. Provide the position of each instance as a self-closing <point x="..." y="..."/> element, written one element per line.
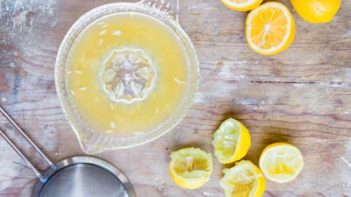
<point x="302" y="96"/>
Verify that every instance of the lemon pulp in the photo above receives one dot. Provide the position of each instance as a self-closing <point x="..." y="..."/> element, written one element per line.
<point x="127" y="73"/>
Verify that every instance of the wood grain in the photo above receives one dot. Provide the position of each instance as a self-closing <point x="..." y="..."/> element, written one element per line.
<point x="302" y="96"/>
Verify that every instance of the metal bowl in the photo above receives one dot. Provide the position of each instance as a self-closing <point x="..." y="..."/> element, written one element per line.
<point x="83" y="176"/>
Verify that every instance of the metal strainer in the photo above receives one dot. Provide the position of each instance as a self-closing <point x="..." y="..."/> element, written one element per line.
<point x="80" y="176"/>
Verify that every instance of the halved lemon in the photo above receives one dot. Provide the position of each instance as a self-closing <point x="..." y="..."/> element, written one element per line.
<point x="270" y="28"/>
<point x="281" y="162"/>
<point x="190" y="168"/>
<point x="242" y="5"/>
<point x="243" y="180"/>
<point x="231" y="141"/>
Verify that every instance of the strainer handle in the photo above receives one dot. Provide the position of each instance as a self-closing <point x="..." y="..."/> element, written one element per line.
<point x="19" y="152"/>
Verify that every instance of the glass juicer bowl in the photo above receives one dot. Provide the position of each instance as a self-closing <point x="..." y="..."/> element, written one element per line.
<point x="92" y="140"/>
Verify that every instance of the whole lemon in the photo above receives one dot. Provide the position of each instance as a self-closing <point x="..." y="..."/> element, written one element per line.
<point x="317" y="11"/>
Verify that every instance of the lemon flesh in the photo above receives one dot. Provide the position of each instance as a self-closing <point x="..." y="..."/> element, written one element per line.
<point x="190" y="168"/>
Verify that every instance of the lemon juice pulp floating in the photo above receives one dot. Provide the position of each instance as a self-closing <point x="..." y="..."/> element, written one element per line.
<point x="127" y="73"/>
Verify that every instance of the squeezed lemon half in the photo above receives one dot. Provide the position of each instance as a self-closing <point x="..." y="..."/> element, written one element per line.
<point x="190" y="168"/>
<point x="243" y="180"/>
<point x="231" y="141"/>
<point x="281" y="162"/>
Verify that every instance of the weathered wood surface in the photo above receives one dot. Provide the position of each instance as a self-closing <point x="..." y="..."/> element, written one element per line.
<point x="302" y="96"/>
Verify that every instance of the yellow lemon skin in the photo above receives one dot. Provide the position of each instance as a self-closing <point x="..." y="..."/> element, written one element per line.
<point x="317" y="11"/>
<point x="229" y="4"/>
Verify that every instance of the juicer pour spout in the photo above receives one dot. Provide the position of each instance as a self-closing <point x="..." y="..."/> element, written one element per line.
<point x="169" y="7"/>
<point x="18" y="150"/>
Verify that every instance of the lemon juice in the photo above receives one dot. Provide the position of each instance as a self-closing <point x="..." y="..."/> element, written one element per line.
<point x="127" y="73"/>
